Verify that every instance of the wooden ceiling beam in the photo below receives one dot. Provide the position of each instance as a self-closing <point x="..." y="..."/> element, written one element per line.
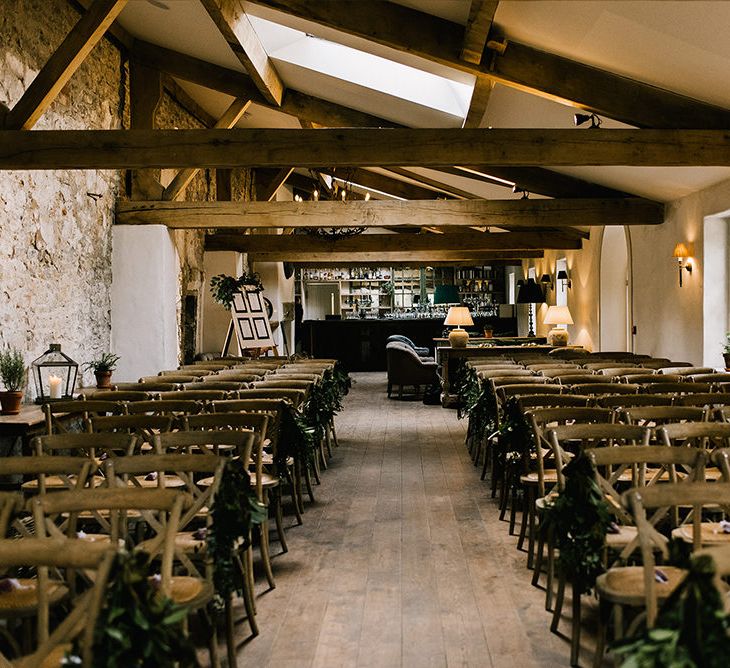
<point x="481" y="15"/>
<point x="284" y="245"/>
<point x="238" y="84"/>
<point x="535" y="214"/>
<point x="233" y="23"/>
<point x="445" y="188"/>
<point x="519" y="66"/>
<point x="479" y="103"/>
<point x="182" y="179"/>
<point x="119" y="149"/>
<point x="385" y="184"/>
<point x="268" y="191"/>
<point x="381" y="257"/>
<point x="60" y="67"/>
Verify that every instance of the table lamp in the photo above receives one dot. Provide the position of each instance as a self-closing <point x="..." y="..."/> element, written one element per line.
<point x="558" y="315"/>
<point x="458" y="316"/>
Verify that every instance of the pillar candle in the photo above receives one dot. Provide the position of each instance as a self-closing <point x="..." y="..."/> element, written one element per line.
<point x="54" y="383"/>
<point x="332" y="303"/>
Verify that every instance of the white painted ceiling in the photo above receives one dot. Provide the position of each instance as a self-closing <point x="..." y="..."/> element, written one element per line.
<point x="681" y="46"/>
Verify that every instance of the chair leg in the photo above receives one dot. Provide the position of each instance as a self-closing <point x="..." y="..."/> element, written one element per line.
<point x="279" y="518"/>
<point x="390" y="388"/>
<point x="575" y="628"/>
<point x="230" y="637"/>
<point x="248" y="593"/>
<point x="308" y="481"/>
<point x="603" y="610"/>
<point x="539" y="557"/>
<point x="400" y="391"/>
<point x="322" y="454"/>
<point x="295" y="484"/>
<point x="558" y="611"/>
<point x="333" y="431"/>
<point x="550" y="571"/>
<point x="264" y="547"/>
<point x="212" y="635"/>
<point x="328" y="440"/>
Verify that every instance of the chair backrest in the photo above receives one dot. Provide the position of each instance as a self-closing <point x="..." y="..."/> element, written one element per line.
<point x="208" y="366"/>
<point x="296" y="397"/>
<point x="195" y="372"/>
<point x="601" y="389"/>
<point x="717" y="377"/>
<point x="540" y="419"/>
<point x="663" y="499"/>
<point x="195" y="395"/>
<point x="90" y="445"/>
<point x="503" y="372"/>
<point x="220" y="385"/>
<point x="649" y="378"/>
<point x="582" y="379"/>
<point x="545" y="366"/>
<point x="529" y="401"/>
<point x="166" y="407"/>
<point x="231" y="376"/>
<point x="590" y="435"/>
<point x="68" y="472"/>
<point x="607" y="365"/>
<point x="629" y="400"/>
<point x="500" y="381"/>
<point x="305" y="385"/>
<point x="703" y="435"/>
<point x="120" y="395"/>
<point x="506" y="391"/>
<point x="621" y="371"/>
<point x="561" y="372"/>
<point x="82" y="409"/>
<point x="238" y="440"/>
<point x="160" y="508"/>
<point x="73" y="557"/>
<point x="142" y="425"/>
<point x="708" y="399"/>
<point x="652" y="416"/>
<point x="686" y="370"/>
<point x="285" y="374"/>
<point x="678" y="388"/>
<point x="170" y="378"/>
<point x="151" y="388"/>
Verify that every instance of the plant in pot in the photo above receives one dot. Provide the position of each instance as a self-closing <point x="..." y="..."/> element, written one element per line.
<point x="726" y="351"/>
<point x="103" y="368"/>
<point x="224" y="287"/>
<point x="12" y="373"/>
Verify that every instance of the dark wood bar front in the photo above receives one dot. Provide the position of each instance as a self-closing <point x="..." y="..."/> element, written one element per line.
<point x="360" y="344"/>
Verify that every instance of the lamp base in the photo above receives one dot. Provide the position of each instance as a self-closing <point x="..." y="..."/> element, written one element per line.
<point x="557" y="337"/>
<point x="458" y="338"/>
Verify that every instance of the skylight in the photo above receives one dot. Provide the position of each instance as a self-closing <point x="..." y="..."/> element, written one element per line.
<point x="363" y="69"/>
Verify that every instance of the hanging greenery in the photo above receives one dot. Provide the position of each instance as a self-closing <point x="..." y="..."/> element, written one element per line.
<point x="514" y="436"/>
<point x="224" y="287"/>
<point x="691" y="630"/>
<point x="341" y="378"/>
<point x="234" y="511"/>
<point x="323" y="403"/>
<point x="580" y="518"/>
<point x="138" y="627"/>
<point x="296" y="438"/>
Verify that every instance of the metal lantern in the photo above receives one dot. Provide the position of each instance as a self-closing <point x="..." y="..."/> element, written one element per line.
<point x="55" y="375"/>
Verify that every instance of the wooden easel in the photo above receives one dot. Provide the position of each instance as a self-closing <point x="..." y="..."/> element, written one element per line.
<point x="229" y="339"/>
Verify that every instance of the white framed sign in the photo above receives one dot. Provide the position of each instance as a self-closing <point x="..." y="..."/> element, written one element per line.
<point x="250" y="320"/>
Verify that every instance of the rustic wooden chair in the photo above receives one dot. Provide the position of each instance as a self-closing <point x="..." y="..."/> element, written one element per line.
<point x="168" y="379"/>
<point x="71" y="557"/>
<point x="621" y="371"/>
<point x="119" y="395"/>
<point x="609" y="364"/>
<point x="603" y="389"/>
<point x="225" y="386"/>
<point x="678" y="388"/>
<point x="206" y="366"/>
<point x="687" y="370"/>
<point x="141" y="425"/>
<point x="194" y="371"/>
<point x="710" y="400"/>
<point x="646" y="378"/>
<point x="202" y="475"/>
<point x="573" y="380"/>
<point x="203" y="394"/>
<point x="543" y="366"/>
<point x="77" y="410"/>
<point x="151" y="388"/>
<point x="267" y="486"/>
<point x="168" y="407"/>
<point x="295" y="397"/>
<point x="656" y="416"/>
<point x="231" y="376"/>
<point x="625" y="401"/>
<point x="486" y="373"/>
<point x="714" y="378"/>
<point x="564" y="372"/>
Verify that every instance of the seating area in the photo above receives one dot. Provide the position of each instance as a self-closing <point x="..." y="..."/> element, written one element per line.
<point x="128" y="482"/>
<point x="600" y="466"/>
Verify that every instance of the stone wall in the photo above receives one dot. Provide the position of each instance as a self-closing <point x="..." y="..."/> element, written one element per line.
<point x="55" y="226"/>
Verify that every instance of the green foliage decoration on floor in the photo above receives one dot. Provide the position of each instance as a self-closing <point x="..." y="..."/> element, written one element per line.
<point x="579" y="518"/>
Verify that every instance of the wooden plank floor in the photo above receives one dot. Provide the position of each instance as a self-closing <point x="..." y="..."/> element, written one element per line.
<point x="402" y="561"/>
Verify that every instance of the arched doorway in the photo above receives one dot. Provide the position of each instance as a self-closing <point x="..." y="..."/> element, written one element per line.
<point x="615" y="297"/>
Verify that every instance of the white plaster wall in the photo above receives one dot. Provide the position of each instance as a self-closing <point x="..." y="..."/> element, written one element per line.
<point x="716" y="290"/>
<point x="144" y="295"/>
<point x="278" y="289"/>
<point x="215" y="318"/>
<point x="614" y="266"/>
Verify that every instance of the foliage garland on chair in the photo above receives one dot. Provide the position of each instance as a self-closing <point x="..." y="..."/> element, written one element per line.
<point x="234" y="511"/>
<point x="341" y="378"/>
<point x="138" y="627"/>
<point x="580" y="518"/>
<point x="691" y="630"/>
<point x="296" y="438"/>
<point x="323" y="403"/>
<point x="514" y="437"/>
<point x="479" y="404"/>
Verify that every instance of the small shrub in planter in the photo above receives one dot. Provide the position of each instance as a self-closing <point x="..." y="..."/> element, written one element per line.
<point x="12" y="373"/>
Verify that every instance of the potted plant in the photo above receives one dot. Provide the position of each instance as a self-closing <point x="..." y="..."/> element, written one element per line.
<point x="12" y="372"/>
<point x="726" y="351"/>
<point x="224" y="287"/>
<point x="103" y="368"/>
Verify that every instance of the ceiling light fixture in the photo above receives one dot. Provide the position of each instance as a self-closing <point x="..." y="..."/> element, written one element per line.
<point x="517" y="190"/>
<point x="582" y="119"/>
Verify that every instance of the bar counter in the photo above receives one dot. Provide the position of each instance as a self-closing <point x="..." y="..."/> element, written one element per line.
<point x="360" y="344"/>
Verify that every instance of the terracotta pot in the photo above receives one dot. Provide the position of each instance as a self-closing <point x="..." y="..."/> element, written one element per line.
<point x="726" y="356"/>
<point x="103" y="379"/>
<point x="10" y="402"/>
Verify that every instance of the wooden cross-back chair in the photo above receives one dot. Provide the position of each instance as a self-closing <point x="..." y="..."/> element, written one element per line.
<point x="267" y="486"/>
<point x="621" y="371"/>
<point x="563" y="371"/>
<point x="602" y="389"/>
<point x="539" y="476"/>
<point x="168" y="407"/>
<point x="647" y="378"/>
<point x="194" y="371"/>
<point x="70" y="556"/>
<point x="609" y="364"/>
<point x="225" y="386"/>
<point x="168" y="379"/>
<point x="141" y="425"/>
<point x="231" y="376"/>
<point x="543" y="366"/>
<point x="152" y="388"/>
<point x="206" y="366"/>
<point x="80" y="410"/>
<point x="295" y="397"/>
<point x="687" y="370"/>
<point x="573" y="380"/>
<point x="202" y="394"/>
<point x="486" y="373"/>
<point x="91" y="445"/>
<point x="677" y="388"/>
<point x="710" y="400"/>
<point x="119" y="395"/>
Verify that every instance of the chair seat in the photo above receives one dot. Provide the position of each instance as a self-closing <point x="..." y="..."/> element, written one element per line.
<point x="710" y="534"/>
<point x="625" y="535"/>
<point x="186" y="541"/>
<point x="171" y="482"/>
<point x="24" y="600"/>
<point x="625" y="584"/>
<point x="531" y="478"/>
<point x="190" y="591"/>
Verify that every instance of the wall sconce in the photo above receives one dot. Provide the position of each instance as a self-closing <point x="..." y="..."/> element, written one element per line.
<point x="521" y="191"/>
<point x="563" y="276"/>
<point x="546" y="281"/>
<point x="681" y="252"/>
<point x="582" y="119"/>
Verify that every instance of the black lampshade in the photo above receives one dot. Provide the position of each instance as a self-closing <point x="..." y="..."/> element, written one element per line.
<point x="530" y="293"/>
<point x="562" y="275"/>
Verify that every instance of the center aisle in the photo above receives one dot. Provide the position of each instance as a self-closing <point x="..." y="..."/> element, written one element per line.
<point x="402" y="561"/>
